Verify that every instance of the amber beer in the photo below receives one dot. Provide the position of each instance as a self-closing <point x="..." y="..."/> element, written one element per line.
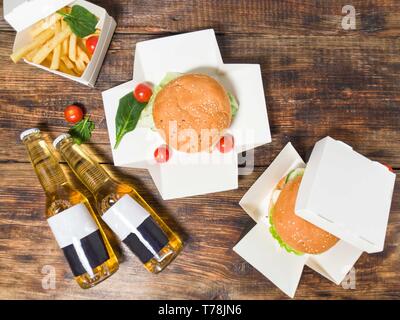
<point x="71" y="218"/>
<point x="123" y="209"/>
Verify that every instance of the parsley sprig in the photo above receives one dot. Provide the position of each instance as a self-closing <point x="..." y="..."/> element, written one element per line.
<point x="82" y="131"/>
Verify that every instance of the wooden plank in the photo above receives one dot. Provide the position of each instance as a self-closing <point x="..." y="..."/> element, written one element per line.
<point x="318" y="80"/>
<point x="314" y="17"/>
<point x="346" y="87"/>
<point x="210" y="225"/>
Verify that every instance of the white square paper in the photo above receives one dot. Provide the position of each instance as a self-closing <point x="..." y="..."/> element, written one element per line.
<point x="259" y="249"/>
<point x="262" y="251"/>
<point x="181" y="176"/>
<point x="188" y="52"/>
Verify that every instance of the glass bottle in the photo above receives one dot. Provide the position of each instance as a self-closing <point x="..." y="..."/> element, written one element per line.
<point x="123" y="209"/>
<point x="71" y="218"/>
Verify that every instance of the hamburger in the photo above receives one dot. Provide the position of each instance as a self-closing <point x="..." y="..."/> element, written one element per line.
<point x="293" y="233"/>
<point x="191" y="111"/>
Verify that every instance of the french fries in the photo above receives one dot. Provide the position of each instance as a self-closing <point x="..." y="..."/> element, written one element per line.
<point x="72" y="47"/>
<point x="82" y="55"/>
<point x="45" y="24"/>
<point x="51" y="45"/>
<point x="80" y="66"/>
<point x="55" y="61"/>
<point x="31" y="54"/>
<point x="66" y="41"/>
<point x="40" y="40"/>
<point x="68" y="63"/>
<point x="56" y="47"/>
<point x="65" y="69"/>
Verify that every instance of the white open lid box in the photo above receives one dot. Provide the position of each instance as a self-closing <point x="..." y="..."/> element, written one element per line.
<point x="22" y="14"/>
<point x="184" y="175"/>
<point x="342" y="192"/>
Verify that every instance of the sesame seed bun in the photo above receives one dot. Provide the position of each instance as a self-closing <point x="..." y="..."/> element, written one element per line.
<point x="186" y="107"/>
<point x="297" y="233"/>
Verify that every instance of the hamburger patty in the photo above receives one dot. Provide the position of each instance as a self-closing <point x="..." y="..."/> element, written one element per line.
<point x="298" y="233"/>
<point x="191" y="112"/>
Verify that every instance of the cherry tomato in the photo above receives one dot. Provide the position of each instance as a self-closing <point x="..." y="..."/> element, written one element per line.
<point x="226" y="143"/>
<point x="389" y="167"/>
<point x="73" y="113"/>
<point x="91" y="43"/>
<point x="161" y="154"/>
<point x="142" y="93"/>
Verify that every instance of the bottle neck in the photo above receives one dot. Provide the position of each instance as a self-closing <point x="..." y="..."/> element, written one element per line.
<point x="46" y="165"/>
<point x="92" y="175"/>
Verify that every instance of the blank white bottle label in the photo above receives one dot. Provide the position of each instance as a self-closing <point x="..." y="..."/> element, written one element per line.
<point x="136" y="228"/>
<point x="79" y="237"/>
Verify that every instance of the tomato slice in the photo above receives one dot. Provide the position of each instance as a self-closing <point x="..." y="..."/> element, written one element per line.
<point x="73" y="113"/>
<point x="162" y="154"/>
<point x="91" y="44"/>
<point x="226" y="143"/>
<point x="142" y="93"/>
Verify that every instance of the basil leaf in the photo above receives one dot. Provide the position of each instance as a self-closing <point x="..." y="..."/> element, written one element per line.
<point x="128" y="113"/>
<point x="81" y="21"/>
<point x="82" y="131"/>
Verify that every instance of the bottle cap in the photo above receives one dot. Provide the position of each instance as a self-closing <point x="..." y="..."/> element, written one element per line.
<point x="28" y="132"/>
<point x="60" y="138"/>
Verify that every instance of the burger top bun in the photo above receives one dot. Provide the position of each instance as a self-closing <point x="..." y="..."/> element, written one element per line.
<point x="296" y="232"/>
<point x="191" y="112"/>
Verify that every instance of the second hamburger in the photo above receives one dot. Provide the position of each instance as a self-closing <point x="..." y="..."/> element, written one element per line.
<point x="293" y="233"/>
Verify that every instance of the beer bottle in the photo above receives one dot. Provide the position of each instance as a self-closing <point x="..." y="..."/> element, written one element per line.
<point x="70" y="216"/>
<point x="123" y="209"/>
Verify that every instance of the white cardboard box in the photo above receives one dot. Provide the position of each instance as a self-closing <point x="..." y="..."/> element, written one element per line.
<point x="191" y="174"/>
<point x="22" y="14"/>
<point x="341" y="191"/>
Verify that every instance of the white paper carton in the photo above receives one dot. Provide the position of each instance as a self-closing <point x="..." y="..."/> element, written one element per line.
<point x="191" y="174"/>
<point x="22" y="14"/>
<point x="194" y="51"/>
<point x="346" y="194"/>
<point x="284" y="269"/>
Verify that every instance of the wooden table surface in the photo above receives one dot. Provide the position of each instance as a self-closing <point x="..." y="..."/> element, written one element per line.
<point x="319" y="80"/>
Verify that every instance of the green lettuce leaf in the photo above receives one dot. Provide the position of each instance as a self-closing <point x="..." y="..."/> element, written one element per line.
<point x="146" y="118"/>
<point x="292" y="174"/>
<point x="234" y="104"/>
<point x="276" y="236"/>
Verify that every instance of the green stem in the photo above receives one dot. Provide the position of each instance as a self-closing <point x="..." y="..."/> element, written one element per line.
<point x="62" y="13"/>
<point x="117" y="142"/>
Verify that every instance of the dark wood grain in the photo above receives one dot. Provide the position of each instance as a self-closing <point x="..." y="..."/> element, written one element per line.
<point x="319" y="80"/>
<point x="276" y="17"/>
<point x="207" y="267"/>
<point x="343" y="86"/>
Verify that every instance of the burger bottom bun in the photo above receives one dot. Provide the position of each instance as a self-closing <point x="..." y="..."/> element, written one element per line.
<point x="296" y="232"/>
